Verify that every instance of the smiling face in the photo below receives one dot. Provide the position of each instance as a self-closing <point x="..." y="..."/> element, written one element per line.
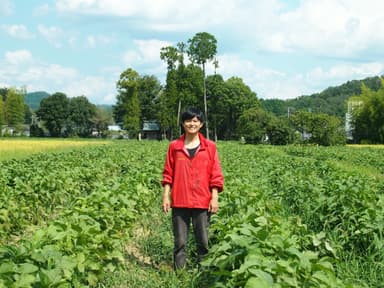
<point x="192" y="126"/>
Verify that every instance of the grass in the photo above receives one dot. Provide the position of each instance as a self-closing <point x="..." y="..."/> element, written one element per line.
<point x="17" y="148"/>
<point x="148" y="257"/>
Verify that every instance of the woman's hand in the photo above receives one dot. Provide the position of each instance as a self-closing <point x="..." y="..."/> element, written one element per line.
<point x="166" y="202"/>
<point x="166" y="205"/>
<point x="214" y="204"/>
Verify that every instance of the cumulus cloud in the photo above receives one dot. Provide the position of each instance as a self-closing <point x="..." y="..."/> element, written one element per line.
<point x="18" y="57"/>
<point x="335" y="28"/>
<point x="97" y="89"/>
<point x="42" y="10"/>
<point x="6" y="7"/>
<point x="259" y="78"/>
<point x="344" y="72"/>
<point x="170" y="15"/>
<point x="348" y="31"/>
<point x="17" y="31"/>
<point x="92" y="41"/>
<point x="341" y="28"/>
<point x="52" y="34"/>
<point x="146" y="55"/>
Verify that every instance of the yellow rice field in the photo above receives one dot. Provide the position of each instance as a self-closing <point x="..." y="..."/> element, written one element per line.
<point x="381" y="146"/>
<point x="19" y="148"/>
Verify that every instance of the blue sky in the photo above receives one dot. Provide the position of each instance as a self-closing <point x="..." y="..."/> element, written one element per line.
<point x="281" y="49"/>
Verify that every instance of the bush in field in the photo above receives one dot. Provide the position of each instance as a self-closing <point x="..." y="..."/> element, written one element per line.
<point x="252" y="125"/>
<point x="320" y="128"/>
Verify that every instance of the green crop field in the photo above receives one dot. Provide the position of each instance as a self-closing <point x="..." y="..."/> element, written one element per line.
<point x="289" y="216"/>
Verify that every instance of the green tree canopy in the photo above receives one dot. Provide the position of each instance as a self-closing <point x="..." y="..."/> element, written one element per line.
<point x="127" y="109"/>
<point x="80" y="111"/>
<point x="321" y="128"/>
<point x="368" y="116"/>
<point x="253" y="125"/>
<point x="149" y="89"/>
<point x="279" y="132"/>
<point x="15" y="109"/>
<point x="101" y="120"/>
<point x="54" y="112"/>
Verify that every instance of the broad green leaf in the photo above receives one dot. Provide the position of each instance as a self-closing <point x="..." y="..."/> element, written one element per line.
<point x="8" y="267"/>
<point x="260" y="274"/>
<point x="321" y="276"/>
<point x="24" y="281"/>
<point x="27" y="268"/>
<point x="255" y="282"/>
<point x="51" y="277"/>
<point x="329" y="248"/>
<point x="262" y="221"/>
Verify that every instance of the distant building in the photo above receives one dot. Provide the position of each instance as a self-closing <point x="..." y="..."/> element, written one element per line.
<point x="116" y="132"/>
<point x="116" y="128"/>
<point x="151" y="130"/>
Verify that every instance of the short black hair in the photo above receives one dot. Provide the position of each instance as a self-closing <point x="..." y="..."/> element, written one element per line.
<point x="192" y="113"/>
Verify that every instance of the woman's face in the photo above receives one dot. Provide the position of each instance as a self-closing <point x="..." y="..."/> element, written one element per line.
<point x="192" y="126"/>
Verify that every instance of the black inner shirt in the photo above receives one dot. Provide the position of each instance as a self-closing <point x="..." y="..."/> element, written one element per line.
<point x="192" y="151"/>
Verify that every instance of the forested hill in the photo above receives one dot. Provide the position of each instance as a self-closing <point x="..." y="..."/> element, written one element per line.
<point x="33" y="99"/>
<point x="331" y="101"/>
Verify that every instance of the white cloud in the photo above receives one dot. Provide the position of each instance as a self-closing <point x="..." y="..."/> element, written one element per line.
<point x="337" y="28"/>
<point x="17" y="31"/>
<point x="6" y="7"/>
<point x="345" y="72"/>
<point x="150" y="49"/>
<point x="92" y="41"/>
<point x="259" y="79"/>
<point x="19" y="68"/>
<point x="170" y="15"/>
<point x="342" y="28"/>
<point x="352" y="30"/>
<point x="52" y="34"/>
<point x="18" y="57"/>
<point x="146" y="55"/>
<point x="96" y="88"/>
<point x="42" y="10"/>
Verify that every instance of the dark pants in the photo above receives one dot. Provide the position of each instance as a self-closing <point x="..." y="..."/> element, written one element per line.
<point x="181" y="218"/>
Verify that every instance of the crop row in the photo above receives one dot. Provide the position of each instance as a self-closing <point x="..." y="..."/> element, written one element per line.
<point x="289" y="221"/>
<point x="289" y="216"/>
<point x="78" y="208"/>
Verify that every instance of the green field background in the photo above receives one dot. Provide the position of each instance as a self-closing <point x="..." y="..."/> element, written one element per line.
<point x="290" y="216"/>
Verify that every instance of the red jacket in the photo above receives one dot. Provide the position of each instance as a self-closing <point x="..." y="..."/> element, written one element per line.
<point x="192" y="179"/>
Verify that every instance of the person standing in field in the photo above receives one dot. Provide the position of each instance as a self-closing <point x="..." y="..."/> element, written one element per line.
<point x="192" y="180"/>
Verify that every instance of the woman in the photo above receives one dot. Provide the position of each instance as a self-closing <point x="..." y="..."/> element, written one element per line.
<point x="192" y="180"/>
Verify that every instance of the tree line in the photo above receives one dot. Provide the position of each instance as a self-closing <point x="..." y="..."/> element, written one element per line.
<point x="233" y="111"/>
<point x="367" y="115"/>
<point x="57" y="116"/>
<point x="332" y="101"/>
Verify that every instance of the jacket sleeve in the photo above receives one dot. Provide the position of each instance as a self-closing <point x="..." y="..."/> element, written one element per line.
<point x="168" y="167"/>
<point x="217" y="178"/>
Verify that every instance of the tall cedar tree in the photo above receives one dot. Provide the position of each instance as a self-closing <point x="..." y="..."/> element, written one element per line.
<point x="169" y="98"/>
<point x="203" y="48"/>
<point x="127" y="109"/>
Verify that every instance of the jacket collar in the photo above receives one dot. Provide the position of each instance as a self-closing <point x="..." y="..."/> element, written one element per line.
<point x="180" y="142"/>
